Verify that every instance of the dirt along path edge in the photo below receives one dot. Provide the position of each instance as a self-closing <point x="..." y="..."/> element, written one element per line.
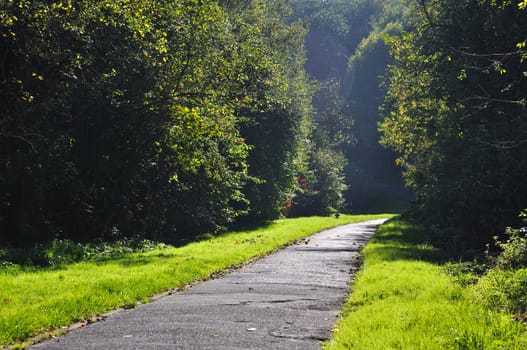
<point x="288" y="300"/>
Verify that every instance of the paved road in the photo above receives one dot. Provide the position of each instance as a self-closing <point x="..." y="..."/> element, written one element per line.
<point x="288" y="300"/>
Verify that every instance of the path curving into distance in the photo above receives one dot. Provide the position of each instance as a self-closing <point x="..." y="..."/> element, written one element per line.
<point x="289" y="300"/>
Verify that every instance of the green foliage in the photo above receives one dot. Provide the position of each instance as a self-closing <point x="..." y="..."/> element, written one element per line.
<point x="275" y="123"/>
<point x="455" y="112"/>
<point x="64" y="251"/>
<point x="321" y="181"/>
<point x="144" y="118"/>
<point x="504" y="290"/>
<point x="109" y="85"/>
<point x="371" y="171"/>
<point x="505" y="286"/>
<point x="320" y="192"/>
<point x="336" y="28"/>
<point x="465" y="273"/>
<point x="500" y="283"/>
<point x="514" y="249"/>
<point x="349" y="96"/>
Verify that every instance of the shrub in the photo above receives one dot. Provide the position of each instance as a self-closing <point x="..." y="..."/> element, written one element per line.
<point x="504" y="287"/>
<point x="504" y="290"/>
<point x="514" y="254"/>
<point x="64" y="251"/>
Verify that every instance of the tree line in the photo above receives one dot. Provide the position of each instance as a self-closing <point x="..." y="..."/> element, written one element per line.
<point x="346" y="53"/>
<point x="456" y="111"/>
<point x="444" y="83"/>
<point x="156" y="119"/>
<point x="164" y="119"/>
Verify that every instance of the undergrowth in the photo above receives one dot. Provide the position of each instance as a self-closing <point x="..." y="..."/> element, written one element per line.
<point x="65" y="251"/>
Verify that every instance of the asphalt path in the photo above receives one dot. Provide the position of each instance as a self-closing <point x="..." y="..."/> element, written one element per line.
<point x="289" y="300"/>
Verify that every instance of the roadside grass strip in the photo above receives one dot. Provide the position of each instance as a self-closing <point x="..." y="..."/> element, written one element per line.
<point x="404" y="299"/>
<point x="35" y="300"/>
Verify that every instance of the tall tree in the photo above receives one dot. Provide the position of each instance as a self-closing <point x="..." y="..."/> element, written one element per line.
<point x="345" y="45"/>
<point x="124" y="117"/>
<point x="275" y="122"/>
<point x="457" y="112"/>
<point x="373" y="176"/>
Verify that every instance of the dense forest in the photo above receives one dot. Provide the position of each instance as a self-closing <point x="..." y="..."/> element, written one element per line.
<point x="456" y="112"/>
<point x="146" y="118"/>
<point x="157" y="119"/>
<point x="445" y="84"/>
<point x="164" y="119"/>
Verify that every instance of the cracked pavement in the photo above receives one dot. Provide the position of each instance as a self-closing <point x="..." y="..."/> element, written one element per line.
<point x="288" y="300"/>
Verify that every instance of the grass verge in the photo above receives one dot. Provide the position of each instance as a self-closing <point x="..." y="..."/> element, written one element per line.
<point x="403" y="298"/>
<point x="37" y="300"/>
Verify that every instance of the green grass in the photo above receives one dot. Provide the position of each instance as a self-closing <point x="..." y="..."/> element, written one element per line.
<point x="37" y="300"/>
<point x="403" y="298"/>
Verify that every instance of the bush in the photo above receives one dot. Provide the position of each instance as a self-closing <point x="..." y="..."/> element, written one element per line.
<point x="504" y="290"/>
<point x="466" y="273"/>
<point x="514" y="254"/>
<point x="60" y="252"/>
<point x="64" y="251"/>
<point x="504" y="287"/>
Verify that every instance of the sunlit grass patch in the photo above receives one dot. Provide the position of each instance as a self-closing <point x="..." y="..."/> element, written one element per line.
<point x="404" y="299"/>
<point x="34" y="300"/>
